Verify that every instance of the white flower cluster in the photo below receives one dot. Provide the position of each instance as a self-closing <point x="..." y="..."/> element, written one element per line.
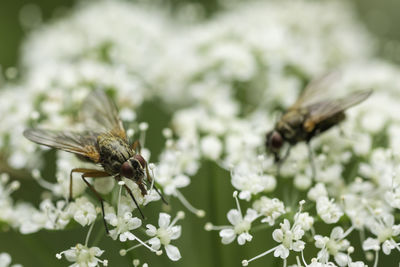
<point x="222" y="83"/>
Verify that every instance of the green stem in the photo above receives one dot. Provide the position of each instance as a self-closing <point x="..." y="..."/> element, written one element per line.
<point x="213" y="193"/>
<point x="99" y="235"/>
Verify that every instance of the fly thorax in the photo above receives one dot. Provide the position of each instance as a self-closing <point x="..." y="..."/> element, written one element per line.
<point x="113" y="153"/>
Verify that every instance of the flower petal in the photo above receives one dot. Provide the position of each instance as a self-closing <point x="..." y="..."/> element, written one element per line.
<point x="155" y="243"/>
<point x="342" y="259"/>
<point x="164" y="220"/>
<point x="243" y="237"/>
<point x="281" y="252"/>
<point x="227" y="235"/>
<point x="251" y="215"/>
<point x="234" y="217"/>
<point x="151" y="230"/>
<point x="173" y="252"/>
<point x="277" y="235"/>
<point x="371" y="244"/>
<point x="337" y="232"/>
<point x="176" y="232"/>
<point x="298" y="245"/>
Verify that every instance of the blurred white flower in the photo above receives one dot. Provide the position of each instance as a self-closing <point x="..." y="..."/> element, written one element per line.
<point x="211" y="147"/>
<point x="270" y="208"/>
<point x="250" y="181"/>
<point x="328" y="210"/>
<point x="83" y="211"/>
<point x="5" y="260"/>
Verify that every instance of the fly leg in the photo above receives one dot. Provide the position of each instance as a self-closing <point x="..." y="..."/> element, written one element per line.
<point x="311" y="158"/>
<point x="151" y="181"/>
<point x="95" y="174"/>
<point x="118" y="178"/>
<point x="137" y="147"/>
<point x="81" y="170"/>
<point x="282" y="160"/>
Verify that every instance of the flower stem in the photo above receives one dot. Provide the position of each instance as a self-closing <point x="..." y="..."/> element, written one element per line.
<point x="99" y="236"/>
<point x="376" y="258"/>
<point x="88" y="234"/>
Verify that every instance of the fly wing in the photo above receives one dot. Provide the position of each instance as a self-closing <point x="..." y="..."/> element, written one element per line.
<point x="83" y="144"/>
<point x="317" y="90"/>
<point x="100" y="114"/>
<point x="326" y="109"/>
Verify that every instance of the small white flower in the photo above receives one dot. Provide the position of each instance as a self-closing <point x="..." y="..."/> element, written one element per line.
<point x="163" y="235"/>
<point x="385" y="230"/>
<point x="317" y="191"/>
<point x="302" y="182"/>
<point x="334" y="245"/>
<point x="290" y="239"/>
<point x="328" y="211"/>
<point x="304" y="220"/>
<point x="241" y="226"/>
<point x="83" y="256"/>
<point x="250" y="181"/>
<point x="83" y="211"/>
<point x="211" y="147"/>
<point x="270" y="208"/>
<point x="123" y="225"/>
<point x="392" y="197"/>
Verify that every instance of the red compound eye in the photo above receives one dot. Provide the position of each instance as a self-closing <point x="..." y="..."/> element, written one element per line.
<point x="274" y="141"/>
<point x="126" y="170"/>
<point x="141" y="160"/>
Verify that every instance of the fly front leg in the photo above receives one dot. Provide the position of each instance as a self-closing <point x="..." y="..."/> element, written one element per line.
<point x="90" y="173"/>
<point x="96" y="174"/>
<point x="118" y="178"/>
<point x="82" y="170"/>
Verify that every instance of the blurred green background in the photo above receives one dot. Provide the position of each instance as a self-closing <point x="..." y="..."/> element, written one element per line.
<point x="198" y="248"/>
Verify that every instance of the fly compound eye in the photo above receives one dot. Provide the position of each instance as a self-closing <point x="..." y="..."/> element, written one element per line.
<point x="134" y="164"/>
<point x="141" y="160"/>
<point x="127" y="170"/>
<point x="275" y="140"/>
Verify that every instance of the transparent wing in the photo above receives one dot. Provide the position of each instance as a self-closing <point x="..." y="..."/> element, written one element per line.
<point x="100" y="114"/>
<point x="325" y="109"/>
<point x="317" y="90"/>
<point x="83" y="144"/>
